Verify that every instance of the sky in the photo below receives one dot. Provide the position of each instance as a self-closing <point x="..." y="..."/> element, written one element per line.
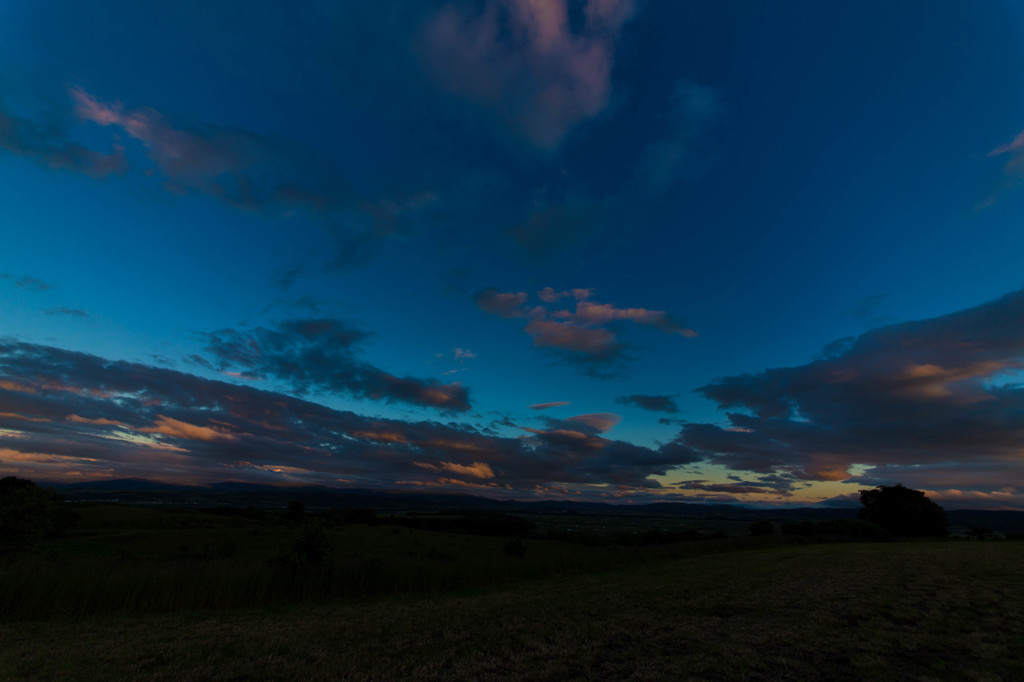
<point x="610" y="250"/>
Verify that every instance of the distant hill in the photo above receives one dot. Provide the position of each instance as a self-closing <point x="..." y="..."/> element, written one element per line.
<point x="230" y="493"/>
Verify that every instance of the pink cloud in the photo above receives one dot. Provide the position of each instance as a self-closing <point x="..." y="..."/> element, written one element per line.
<point x="545" y="406"/>
<point x="1015" y="146"/>
<point x="591" y="341"/>
<point x="523" y="61"/>
<point x="549" y="295"/>
<point x="599" y="421"/>
<point x="501" y="304"/>
<point x="591" y="313"/>
<point x="582" y="331"/>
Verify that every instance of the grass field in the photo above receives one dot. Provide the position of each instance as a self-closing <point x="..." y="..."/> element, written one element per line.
<point x="842" y="611"/>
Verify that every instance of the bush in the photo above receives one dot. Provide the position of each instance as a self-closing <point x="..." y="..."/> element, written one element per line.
<point x="762" y="528"/>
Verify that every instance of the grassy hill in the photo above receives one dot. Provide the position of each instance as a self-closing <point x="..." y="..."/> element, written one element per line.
<point x="141" y="590"/>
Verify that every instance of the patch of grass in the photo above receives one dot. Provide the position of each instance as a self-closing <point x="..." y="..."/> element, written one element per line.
<point x="897" y="611"/>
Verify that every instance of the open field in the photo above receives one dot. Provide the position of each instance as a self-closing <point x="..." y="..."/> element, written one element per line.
<point x="121" y="560"/>
<point x="926" y="611"/>
<point x="161" y="595"/>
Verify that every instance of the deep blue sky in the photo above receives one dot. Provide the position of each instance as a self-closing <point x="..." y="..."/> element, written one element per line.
<point x="753" y="252"/>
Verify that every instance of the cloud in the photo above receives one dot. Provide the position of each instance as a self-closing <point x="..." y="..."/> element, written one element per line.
<point x="588" y="334"/>
<point x="547" y="406"/>
<point x="245" y="169"/>
<point x="1015" y="152"/>
<point x="175" y="428"/>
<point x="730" y="488"/>
<point x="68" y="312"/>
<point x="590" y="313"/>
<point x="599" y="422"/>
<point x="501" y="304"/>
<point x="474" y="470"/>
<point x="1013" y="170"/>
<point x="50" y="143"/>
<point x="551" y="228"/>
<point x="28" y="282"/>
<point x="906" y="400"/>
<point x="676" y="156"/>
<point x="654" y="403"/>
<point x="549" y="295"/>
<point x="524" y="63"/>
<point x="597" y="343"/>
<point x="72" y="416"/>
<point x="319" y="355"/>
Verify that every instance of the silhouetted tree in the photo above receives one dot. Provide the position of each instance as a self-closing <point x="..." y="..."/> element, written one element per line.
<point x="29" y="513"/>
<point x="762" y="527"/>
<point x="903" y="511"/>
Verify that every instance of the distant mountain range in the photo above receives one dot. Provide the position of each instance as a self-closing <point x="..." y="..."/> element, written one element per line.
<point x="230" y="493"/>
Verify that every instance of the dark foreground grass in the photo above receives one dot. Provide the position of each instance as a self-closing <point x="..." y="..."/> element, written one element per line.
<point x="894" y="611"/>
<point x="125" y="560"/>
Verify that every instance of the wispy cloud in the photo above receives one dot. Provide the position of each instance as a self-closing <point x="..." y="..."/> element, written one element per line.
<point x="66" y="312"/>
<point x="677" y="155"/>
<point x="28" y="283"/>
<point x="548" y="406"/>
<point x="49" y="143"/>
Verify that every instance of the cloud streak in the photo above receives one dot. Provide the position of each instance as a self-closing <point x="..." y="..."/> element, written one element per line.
<point x="653" y="403"/>
<point x="319" y="354"/>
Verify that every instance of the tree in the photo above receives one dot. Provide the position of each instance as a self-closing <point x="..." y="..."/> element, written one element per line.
<point x="29" y="513"/>
<point x="903" y="511"/>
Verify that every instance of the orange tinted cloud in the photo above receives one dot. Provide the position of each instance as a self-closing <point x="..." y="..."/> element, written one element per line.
<point x="167" y="426"/>
<point x="99" y="422"/>
<point x="14" y="386"/>
<point x="480" y="470"/>
<point x="599" y="421"/>
<point x="15" y="415"/>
